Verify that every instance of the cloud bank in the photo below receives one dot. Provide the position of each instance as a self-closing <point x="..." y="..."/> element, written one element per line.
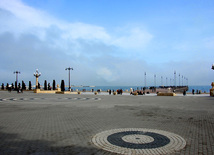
<point x="31" y="39"/>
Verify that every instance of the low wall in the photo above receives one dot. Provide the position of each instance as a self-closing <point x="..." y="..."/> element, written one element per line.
<point x="53" y="92"/>
<point x="166" y="94"/>
<point x="45" y="91"/>
<point x="66" y="92"/>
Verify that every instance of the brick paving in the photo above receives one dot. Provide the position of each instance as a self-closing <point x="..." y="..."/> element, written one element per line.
<point x="52" y="124"/>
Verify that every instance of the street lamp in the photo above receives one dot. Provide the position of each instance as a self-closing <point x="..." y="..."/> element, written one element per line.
<point x="37" y="75"/>
<point x="179" y="80"/>
<point x="161" y="80"/>
<point x="175" y="78"/>
<point x="69" y="68"/>
<point x="212" y="84"/>
<point x="166" y="81"/>
<point x="16" y="72"/>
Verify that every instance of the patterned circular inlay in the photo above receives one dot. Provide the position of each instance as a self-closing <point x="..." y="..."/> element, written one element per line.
<point x="139" y="141"/>
<point x="31" y="99"/>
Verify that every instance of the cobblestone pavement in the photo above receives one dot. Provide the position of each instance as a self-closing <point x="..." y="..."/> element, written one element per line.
<point x="58" y="124"/>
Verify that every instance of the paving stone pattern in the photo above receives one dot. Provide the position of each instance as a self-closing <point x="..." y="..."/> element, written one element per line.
<point x="26" y="99"/>
<point x="161" y="143"/>
<point x="58" y="124"/>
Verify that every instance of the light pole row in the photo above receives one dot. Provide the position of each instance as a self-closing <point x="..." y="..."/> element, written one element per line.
<point x="171" y="79"/>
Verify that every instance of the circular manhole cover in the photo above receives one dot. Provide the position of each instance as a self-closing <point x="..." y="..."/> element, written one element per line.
<point x="139" y="141"/>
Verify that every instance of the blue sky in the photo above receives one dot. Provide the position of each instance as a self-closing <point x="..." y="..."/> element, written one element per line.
<point x="107" y="42"/>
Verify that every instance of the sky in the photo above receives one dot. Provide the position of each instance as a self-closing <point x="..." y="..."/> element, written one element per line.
<point x="108" y="42"/>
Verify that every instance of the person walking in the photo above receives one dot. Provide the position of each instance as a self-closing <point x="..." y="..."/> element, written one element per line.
<point x="110" y="92"/>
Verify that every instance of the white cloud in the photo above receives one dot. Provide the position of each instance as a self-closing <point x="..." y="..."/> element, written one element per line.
<point x="24" y="19"/>
<point x="26" y="14"/>
<point x="107" y="74"/>
<point x="136" y="38"/>
<point x="85" y="31"/>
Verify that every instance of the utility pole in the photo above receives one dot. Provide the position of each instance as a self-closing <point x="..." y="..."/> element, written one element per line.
<point x="69" y="68"/>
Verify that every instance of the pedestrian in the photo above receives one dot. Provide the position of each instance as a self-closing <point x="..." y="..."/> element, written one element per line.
<point x="110" y="92"/>
<point x="184" y="92"/>
<point x="121" y="91"/>
<point x="193" y="91"/>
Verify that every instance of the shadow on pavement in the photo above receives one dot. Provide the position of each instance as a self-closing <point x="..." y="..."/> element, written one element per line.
<point x="12" y="144"/>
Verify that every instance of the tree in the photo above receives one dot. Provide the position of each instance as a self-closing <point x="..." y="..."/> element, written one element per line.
<point x="62" y="85"/>
<point x="30" y="86"/>
<point x="16" y="87"/>
<point x="2" y="86"/>
<point x="54" y="85"/>
<point x="45" y="85"/>
<point x="7" y="86"/>
<point x="49" y="86"/>
<point x="19" y="86"/>
<point x="12" y="86"/>
<point x="23" y="85"/>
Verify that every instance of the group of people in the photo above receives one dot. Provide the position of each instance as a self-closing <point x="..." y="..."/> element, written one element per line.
<point x="139" y="92"/>
<point x="119" y="91"/>
<point x="19" y="90"/>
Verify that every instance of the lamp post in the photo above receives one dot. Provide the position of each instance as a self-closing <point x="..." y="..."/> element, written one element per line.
<point x="16" y="72"/>
<point x="182" y="80"/>
<point x="37" y="75"/>
<point x="69" y="68"/>
<point x="212" y="84"/>
<point x="179" y="79"/>
<point x="166" y="81"/>
<point x="161" y="80"/>
<point x="175" y="78"/>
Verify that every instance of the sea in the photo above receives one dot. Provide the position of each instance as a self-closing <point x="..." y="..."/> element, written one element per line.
<point x="204" y="89"/>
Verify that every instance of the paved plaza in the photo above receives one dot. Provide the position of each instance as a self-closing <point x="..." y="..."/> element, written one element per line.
<point x="88" y="124"/>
